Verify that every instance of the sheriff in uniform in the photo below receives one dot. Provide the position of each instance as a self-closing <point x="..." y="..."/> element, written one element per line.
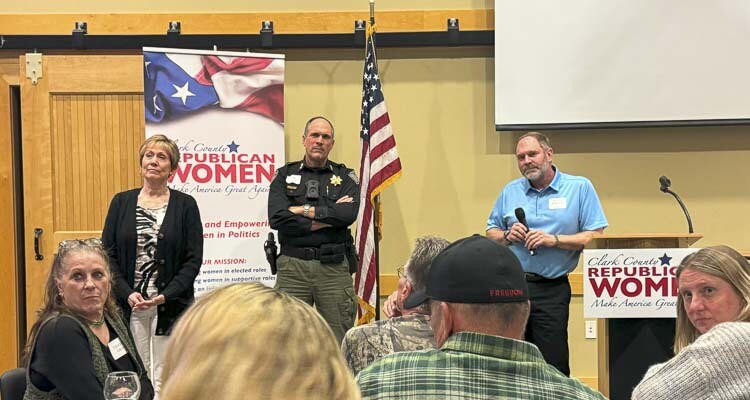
<point x="311" y="204"/>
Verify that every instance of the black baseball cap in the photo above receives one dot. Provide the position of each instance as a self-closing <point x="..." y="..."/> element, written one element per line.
<point x="473" y="270"/>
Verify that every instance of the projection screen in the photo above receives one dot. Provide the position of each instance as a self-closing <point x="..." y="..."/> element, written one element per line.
<point x="621" y="63"/>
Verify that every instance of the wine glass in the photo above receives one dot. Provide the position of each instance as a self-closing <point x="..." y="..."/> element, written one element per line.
<point x="122" y="385"/>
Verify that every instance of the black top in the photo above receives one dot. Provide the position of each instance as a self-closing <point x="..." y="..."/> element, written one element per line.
<point x="290" y="188"/>
<point x="62" y="359"/>
<point x="179" y="252"/>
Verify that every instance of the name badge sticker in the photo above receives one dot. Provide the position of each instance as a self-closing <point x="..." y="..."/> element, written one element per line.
<point x="294" y="179"/>
<point x="558" y="203"/>
<point x="117" y="349"/>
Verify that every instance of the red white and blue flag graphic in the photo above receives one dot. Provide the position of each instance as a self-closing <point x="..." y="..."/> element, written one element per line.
<point x="178" y="84"/>
<point x="380" y="166"/>
<point x="225" y="112"/>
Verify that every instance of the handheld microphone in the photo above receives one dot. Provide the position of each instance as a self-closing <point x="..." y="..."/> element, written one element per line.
<point x="665" y="184"/>
<point x="521" y="217"/>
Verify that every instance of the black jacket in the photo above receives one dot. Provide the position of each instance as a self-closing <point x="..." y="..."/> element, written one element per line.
<point x="179" y="252"/>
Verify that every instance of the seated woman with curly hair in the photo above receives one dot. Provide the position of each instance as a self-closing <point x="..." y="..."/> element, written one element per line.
<point x="80" y="335"/>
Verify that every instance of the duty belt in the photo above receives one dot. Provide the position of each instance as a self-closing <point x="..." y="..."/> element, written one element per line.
<point x="303" y="253"/>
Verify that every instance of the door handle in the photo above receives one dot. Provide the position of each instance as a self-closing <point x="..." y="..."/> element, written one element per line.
<point x="37" y="234"/>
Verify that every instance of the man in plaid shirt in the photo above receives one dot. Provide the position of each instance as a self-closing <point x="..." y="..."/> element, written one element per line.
<point x="480" y="303"/>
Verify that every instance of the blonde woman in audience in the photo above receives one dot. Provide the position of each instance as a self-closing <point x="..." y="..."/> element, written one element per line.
<point x="712" y="343"/>
<point x="249" y="341"/>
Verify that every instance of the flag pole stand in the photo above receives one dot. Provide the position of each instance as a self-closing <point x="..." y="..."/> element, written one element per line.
<point x="376" y="210"/>
<point x="376" y="228"/>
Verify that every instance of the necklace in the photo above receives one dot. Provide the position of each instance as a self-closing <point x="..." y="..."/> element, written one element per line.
<point x="95" y="324"/>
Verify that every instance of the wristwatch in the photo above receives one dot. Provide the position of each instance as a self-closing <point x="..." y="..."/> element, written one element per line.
<point x="505" y="235"/>
<point x="305" y="210"/>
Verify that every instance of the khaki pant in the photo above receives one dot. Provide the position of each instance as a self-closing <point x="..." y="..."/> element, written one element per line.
<point x="329" y="287"/>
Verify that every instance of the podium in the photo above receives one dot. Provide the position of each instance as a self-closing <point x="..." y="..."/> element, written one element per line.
<point x="627" y="347"/>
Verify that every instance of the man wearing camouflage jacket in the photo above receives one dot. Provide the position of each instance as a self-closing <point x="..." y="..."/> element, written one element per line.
<point x="408" y="329"/>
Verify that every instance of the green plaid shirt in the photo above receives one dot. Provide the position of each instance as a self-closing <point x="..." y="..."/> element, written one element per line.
<point x="470" y="366"/>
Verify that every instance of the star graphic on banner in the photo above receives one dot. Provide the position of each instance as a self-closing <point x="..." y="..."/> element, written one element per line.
<point x="156" y="106"/>
<point x="233" y="147"/>
<point x="183" y="92"/>
<point x="665" y="260"/>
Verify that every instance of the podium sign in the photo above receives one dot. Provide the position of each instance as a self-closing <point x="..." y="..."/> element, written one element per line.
<point x="630" y="338"/>
<point x="631" y="283"/>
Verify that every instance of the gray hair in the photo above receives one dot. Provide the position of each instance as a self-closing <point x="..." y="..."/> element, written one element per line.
<point x="540" y="137"/>
<point x="53" y="301"/>
<point x="425" y="250"/>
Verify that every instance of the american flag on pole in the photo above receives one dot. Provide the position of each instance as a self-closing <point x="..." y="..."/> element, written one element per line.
<point x="380" y="166"/>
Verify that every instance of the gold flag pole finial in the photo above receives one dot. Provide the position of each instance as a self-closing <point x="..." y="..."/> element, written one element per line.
<point x="372" y="12"/>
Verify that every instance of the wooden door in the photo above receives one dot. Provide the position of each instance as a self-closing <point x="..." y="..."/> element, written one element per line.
<point x="9" y="333"/>
<point x="82" y="125"/>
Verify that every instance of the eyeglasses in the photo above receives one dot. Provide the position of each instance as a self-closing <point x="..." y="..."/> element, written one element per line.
<point x="72" y="243"/>
<point x="400" y="272"/>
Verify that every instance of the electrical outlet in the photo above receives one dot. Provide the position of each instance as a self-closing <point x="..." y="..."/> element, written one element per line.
<point x="590" y="329"/>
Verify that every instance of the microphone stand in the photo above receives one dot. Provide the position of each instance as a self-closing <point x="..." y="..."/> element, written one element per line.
<point x="684" y="209"/>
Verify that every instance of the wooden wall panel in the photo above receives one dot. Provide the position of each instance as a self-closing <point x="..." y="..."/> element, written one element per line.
<point x="245" y="23"/>
<point x="95" y="141"/>
<point x="9" y="68"/>
<point x="84" y="7"/>
<point x="8" y="258"/>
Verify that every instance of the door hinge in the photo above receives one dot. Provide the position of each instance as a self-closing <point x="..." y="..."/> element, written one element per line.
<point x="34" y="67"/>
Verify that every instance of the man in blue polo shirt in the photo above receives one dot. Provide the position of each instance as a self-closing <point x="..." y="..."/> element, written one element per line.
<point x="562" y="212"/>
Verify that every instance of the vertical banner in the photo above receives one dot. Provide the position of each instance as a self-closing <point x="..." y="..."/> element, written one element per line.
<point x="225" y="110"/>
<point x="631" y="283"/>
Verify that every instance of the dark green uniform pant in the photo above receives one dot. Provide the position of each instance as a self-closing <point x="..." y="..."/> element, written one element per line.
<point x="328" y="287"/>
